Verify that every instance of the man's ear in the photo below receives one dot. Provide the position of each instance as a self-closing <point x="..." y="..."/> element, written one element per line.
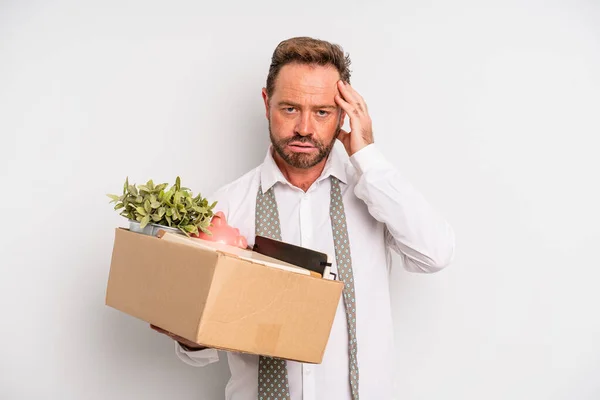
<point x="265" y="97"/>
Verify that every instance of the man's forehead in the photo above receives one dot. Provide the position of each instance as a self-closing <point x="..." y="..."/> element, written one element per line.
<point x="304" y="80"/>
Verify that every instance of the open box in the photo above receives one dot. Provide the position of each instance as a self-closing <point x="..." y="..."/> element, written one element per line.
<point x="222" y="297"/>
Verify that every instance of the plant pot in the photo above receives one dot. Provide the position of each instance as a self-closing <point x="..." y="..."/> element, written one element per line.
<point x="151" y="229"/>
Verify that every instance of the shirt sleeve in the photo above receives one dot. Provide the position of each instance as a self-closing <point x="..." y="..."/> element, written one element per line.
<point x="198" y="358"/>
<point x="413" y="229"/>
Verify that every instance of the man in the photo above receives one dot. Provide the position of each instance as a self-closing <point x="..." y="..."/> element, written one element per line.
<point x="355" y="204"/>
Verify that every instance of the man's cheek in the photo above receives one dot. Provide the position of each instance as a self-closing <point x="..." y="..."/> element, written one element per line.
<point x="279" y="124"/>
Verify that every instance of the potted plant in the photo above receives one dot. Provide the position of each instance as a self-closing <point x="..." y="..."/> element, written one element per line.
<point x="152" y="207"/>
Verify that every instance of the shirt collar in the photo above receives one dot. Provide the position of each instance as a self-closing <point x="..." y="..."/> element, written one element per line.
<point x="271" y="174"/>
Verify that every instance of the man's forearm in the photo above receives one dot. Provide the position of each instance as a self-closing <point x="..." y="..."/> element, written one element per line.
<point x="414" y="229"/>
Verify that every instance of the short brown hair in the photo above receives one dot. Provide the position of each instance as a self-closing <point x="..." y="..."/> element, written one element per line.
<point x="306" y="50"/>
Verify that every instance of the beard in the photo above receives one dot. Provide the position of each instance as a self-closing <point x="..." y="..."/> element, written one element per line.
<point x="302" y="160"/>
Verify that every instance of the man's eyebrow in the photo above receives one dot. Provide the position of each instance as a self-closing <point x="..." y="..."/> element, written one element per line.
<point x="318" y="107"/>
<point x="330" y="106"/>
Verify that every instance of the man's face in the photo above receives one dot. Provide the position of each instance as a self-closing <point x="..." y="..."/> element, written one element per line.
<point x="304" y="119"/>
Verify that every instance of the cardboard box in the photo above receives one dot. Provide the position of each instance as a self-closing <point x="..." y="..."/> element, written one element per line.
<point x="215" y="296"/>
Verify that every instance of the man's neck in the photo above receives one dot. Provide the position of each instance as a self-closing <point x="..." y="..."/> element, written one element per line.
<point x="299" y="177"/>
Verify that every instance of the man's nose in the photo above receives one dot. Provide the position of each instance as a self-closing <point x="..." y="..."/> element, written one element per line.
<point x="304" y="127"/>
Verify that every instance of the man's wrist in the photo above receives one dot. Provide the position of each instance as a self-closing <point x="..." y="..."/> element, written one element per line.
<point x="367" y="158"/>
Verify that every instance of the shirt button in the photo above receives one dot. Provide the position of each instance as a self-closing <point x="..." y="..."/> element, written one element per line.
<point x="308" y="370"/>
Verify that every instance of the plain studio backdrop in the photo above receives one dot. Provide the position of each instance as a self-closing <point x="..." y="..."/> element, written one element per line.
<point x="491" y="109"/>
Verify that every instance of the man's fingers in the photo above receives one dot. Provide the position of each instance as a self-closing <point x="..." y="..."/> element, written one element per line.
<point x="346" y="92"/>
<point x="355" y="94"/>
<point x="179" y="339"/>
<point x="352" y="96"/>
<point x="156" y="328"/>
<point x="342" y="103"/>
<point x="160" y="330"/>
<point x="351" y="110"/>
<point x="362" y="103"/>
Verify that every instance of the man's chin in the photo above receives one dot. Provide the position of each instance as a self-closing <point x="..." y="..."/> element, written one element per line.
<point x="302" y="160"/>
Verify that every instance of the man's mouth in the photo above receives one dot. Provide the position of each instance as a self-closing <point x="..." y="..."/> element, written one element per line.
<point x="301" y="147"/>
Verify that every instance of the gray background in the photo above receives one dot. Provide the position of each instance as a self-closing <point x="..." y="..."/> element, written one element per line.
<point x="489" y="108"/>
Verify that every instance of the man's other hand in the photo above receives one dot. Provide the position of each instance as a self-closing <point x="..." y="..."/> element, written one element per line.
<point x="187" y="344"/>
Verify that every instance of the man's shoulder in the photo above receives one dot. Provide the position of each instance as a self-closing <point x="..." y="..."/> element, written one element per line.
<point x="231" y="194"/>
<point x="240" y="183"/>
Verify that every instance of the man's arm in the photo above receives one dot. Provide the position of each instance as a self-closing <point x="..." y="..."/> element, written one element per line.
<point x="414" y="229"/>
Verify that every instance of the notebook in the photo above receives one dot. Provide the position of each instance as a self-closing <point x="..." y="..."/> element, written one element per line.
<point x="301" y="256"/>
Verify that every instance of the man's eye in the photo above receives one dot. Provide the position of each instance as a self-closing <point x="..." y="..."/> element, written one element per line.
<point x="289" y="109"/>
<point x="322" y="113"/>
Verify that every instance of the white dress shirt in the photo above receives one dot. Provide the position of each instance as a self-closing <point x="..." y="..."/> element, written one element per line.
<point x="383" y="212"/>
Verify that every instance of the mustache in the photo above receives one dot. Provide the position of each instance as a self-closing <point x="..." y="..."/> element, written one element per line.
<point x="302" y="139"/>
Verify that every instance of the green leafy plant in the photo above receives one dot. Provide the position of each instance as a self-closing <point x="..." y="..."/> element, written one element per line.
<point x="175" y="207"/>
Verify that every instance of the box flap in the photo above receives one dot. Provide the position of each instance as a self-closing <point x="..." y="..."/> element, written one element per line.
<point x="247" y="255"/>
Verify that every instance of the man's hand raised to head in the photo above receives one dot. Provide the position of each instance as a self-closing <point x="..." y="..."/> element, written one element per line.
<point x="361" y="128"/>
<point x="188" y="345"/>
